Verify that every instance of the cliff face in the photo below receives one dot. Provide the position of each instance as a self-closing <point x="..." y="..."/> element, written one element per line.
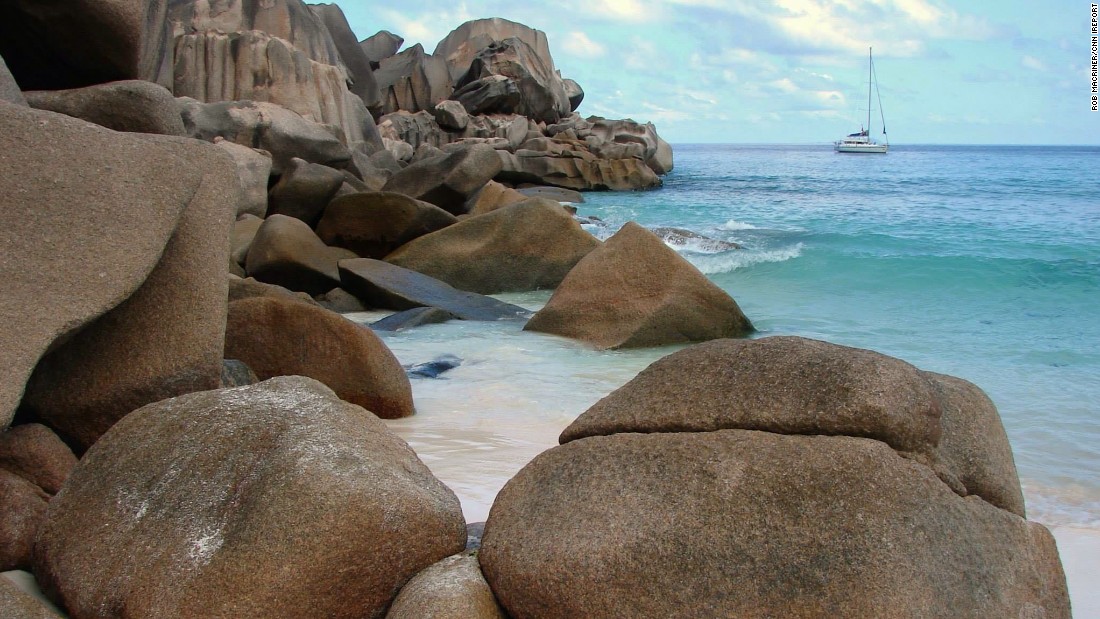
<point x="275" y="51"/>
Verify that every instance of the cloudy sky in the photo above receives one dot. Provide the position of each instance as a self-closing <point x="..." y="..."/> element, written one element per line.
<point x="794" y="71"/>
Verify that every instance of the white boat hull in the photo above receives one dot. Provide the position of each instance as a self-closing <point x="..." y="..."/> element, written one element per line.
<point x="865" y="147"/>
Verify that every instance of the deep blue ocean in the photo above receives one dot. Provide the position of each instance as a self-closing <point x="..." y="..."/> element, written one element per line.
<point x="978" y="261"/>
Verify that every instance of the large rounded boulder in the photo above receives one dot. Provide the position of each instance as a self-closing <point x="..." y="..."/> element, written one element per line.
<point x="448" y="181"/>
<point x="270" y="500"/>
<point x="131" y="105"/>
<point x="531" y="245"/>
<point x="284" y="337"/>
<point x="634" y="291"/>
<point x="373" y="224"/>
<point x="286" y="252"/>
<point x="451" y="589"/>
<point x="774" y="477"/>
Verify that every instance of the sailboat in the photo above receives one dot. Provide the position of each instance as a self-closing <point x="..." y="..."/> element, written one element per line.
<point x="862" y="142"/>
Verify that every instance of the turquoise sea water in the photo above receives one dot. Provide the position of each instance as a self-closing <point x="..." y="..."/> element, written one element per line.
<point x="981" y="262"/>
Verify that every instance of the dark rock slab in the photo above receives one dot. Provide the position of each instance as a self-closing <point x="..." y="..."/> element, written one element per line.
<point x="415" y="317"/>
<point x="304" y="190"/>
<point x="385" y="285"/>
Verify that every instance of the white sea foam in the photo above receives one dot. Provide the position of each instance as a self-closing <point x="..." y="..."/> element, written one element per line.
<point x="733" y="224"/>
<point x="725" y="262"/>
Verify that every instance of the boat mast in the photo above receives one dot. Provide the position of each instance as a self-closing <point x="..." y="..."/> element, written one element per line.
<point x="869" y="69"/>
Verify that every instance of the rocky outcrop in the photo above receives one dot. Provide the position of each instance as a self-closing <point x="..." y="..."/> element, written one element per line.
<point x="275" y="51"/>
<point x="33" y="452"/>
<point x="509" y="77"/>
<point x="448" y="181"/>
<point x="54" y="286"/>
<point x="9" y="90"/>
<point x="165" y="339"/>
<point x="380" y="46"/>
<point x="384" y="285"/>
<point x="17" y="603"/>
<point x="273" y="128"/>
<point x="531" y="245"/>
<point x="574" y="92"/>
<point x="360" y="73"/>
<point x="373" y="224"/>
<point x="304" y="190"/>
<point x="461" y="45"/>
<point x="88" y="42"/>
<point x="413" y="81"/>
<point x="450" y="589"/>
<point x="24" y="512"/>
<point x="634" y="291"/>
<point x="773" y="477"/>
<point x="282" y="337"/>
<point x="254" y="172"/>
<point x="309" y="488"/>
<point x="287" y="253"/>
<point x="135" y="106"/>
<point x="840" y="526"/>
<point x="247" y="288"/>
<point x="491" y="197"/>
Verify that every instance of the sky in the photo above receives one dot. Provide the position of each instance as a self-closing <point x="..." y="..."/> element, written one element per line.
<point x="795" y="71"/>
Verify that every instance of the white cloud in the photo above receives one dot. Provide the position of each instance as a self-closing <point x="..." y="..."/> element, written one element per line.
<point x="1032" y="62"/>
<point x="622" y="10"/>
<point x="578" y="44"/>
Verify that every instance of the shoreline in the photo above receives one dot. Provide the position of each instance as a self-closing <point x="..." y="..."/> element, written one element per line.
<point x="1079" y="550"/>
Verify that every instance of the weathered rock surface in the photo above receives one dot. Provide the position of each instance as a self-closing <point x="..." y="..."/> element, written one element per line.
<point x="449" y="181"/>
<point x="529" y="87"/>
<point x="236" y="373"/>
<point x="9" y="90"/>
<point x="304" y="190"/>
<point x="273" y="128"/>
<point x="450" y="589"/>
<point x="254" y="171"/>
<point x="341" y="301"/>
<point x="553" y="193"/>
<point x="242" y="501"/>
<point x="384" y="285"/>
<point x="241" y="236"/>
<point x="33" y="452"/>
<point x="410" y="318"/>
<point x="578" y="169"/>
<point x="373" y="224"/>
<point x="634" y="291"/>
<point x="793" y="385"/>
<point x="737" y="523"/>
<point x="413" y="81"/>
<point x="54" y="167"/>
<point x="89" y="42"/>
<point x="355" y="59"/>
<point x="461" y="45"/>
<point x="16" y="603"/>
<point x="165" y="339"/>
<point x="974" y="447"/>
<point x="135" y="106"/>
<point x="380" y="45"/>
<point x="276" y="51"/>
<point x="246" y="288"/>
<point x="451" y="115"/>
<point x="531" y="245"/>
<point x="492" y="197"/>
<point x="574" y="92"/>
<point x="286" y="252"/>
<point x="414" y="129"/>
<point x="277" y="337"/>
<point x="24" y="512"/>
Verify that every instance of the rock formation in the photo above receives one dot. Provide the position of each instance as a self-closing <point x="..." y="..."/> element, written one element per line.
<point x="282" y="337"/>
<point x="634" y="291"/>
<point x="531" y="245"/>
<point x="275" y="51"/>
<point x="158" y="516"/>
<point x="775" y="477"/>
<point x="413" y="81"/>
<point x="88" y="42"/>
